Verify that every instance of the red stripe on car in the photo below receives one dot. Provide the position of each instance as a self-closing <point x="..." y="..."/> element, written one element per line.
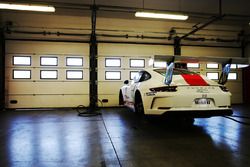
<point x="194" y="80"/>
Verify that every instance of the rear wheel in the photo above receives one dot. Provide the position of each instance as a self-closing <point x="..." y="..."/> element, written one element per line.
<point x="139" y="109"/>
<point x="121" y="101"/>
<point x="190" y="121"/>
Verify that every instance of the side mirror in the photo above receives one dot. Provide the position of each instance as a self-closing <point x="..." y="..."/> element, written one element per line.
<point x="126" y="82"/>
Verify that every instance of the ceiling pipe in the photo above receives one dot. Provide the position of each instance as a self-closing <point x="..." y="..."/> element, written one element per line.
<point x="216" y="18"/>
<point x="58" y="33"/>
<point x="177" y="40"/>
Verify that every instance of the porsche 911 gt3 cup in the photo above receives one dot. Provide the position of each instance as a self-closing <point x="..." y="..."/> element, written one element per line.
<point x="176" y="91"/>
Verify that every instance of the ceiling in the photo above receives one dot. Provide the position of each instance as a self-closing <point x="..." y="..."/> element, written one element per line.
<point x="232" y="26"/>
<point x="236" y="12"/>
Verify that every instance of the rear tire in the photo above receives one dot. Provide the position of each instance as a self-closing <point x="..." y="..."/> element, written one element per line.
<point x="121" y="101"/>
<point x="189" y="121"/>
<point x="139" y="109"/>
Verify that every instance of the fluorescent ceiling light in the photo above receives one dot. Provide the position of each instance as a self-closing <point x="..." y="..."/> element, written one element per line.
<point x="39" y="8"/>
<point x="161" y="15"/>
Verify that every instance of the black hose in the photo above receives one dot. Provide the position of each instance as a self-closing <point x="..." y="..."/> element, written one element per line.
<point x="239" y="116"/>
<point x="243" y="123"/>
<point x="86" y="112"/>
<point x="83" y="111"/>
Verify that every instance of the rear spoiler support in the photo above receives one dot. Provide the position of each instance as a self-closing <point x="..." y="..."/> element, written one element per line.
<point x="169" y="72"/>
<point x="225" y="71"/>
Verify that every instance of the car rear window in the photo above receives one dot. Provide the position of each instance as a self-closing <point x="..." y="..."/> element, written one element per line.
<point x="177" y="71"/>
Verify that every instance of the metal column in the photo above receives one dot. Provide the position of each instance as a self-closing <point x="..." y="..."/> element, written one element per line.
<point x="177" y="46"/>
<point x="93" y="94"/>
<point x="2" y="69"/>
<point x="93" y="97"/>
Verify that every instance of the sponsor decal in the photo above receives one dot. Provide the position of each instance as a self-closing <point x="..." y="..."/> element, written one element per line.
<point x="202" y="90"/>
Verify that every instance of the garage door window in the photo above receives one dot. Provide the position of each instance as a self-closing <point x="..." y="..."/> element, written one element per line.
<point x="74" y="61"/>
<point x="160" y="64"/>
<point x="133" y="74"/>
<point x="74" y="74"/>
<point x="213" y="75"/>
<point x="193" y="65"/>
<point x="233" y="66"/>
<point x="48" y="74"/>
<point x="21" y="74"/>
<point x="113" y="75"/>
<point x="232" y="76"/>
<point x="112" y="62"/>
<point x="49" y="61"/>
<point x="22" y="60"/>
<point x="139" y="63"/>
<point x="213" y="65"/>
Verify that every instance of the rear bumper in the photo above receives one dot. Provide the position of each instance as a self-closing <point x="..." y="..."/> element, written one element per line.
<point x="194" y="113"/>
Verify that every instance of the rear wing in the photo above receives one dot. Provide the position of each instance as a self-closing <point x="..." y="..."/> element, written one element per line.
<point x="192" y="59"/>
<point x="225" y="61"/>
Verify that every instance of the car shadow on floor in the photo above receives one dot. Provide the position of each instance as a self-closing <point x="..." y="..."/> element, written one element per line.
<point x="164" y="141"/>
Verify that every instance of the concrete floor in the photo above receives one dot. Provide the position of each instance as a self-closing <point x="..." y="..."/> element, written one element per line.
<point x="117" y="138"/>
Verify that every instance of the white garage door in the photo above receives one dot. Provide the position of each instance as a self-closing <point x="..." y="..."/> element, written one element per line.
<point x="56" y="74"/>
<point x="46" y="74"/>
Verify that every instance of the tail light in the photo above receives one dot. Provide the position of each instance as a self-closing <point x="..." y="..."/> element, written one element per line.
<point x="164" y="89"/>
<point x="224" y="89"/>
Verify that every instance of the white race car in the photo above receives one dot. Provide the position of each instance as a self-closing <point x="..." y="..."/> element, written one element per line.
<point x="188" y="95"/>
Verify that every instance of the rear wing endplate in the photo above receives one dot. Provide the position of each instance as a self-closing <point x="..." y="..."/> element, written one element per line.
<point x="225" y="72"/>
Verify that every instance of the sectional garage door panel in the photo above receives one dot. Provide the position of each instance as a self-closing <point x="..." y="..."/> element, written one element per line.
<point x="45" y="88"/>
<point x="208" y="51"/>
<point x="46" y="101"/>
<point x="46" y="74"/>
<point x="46" y="47"/>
